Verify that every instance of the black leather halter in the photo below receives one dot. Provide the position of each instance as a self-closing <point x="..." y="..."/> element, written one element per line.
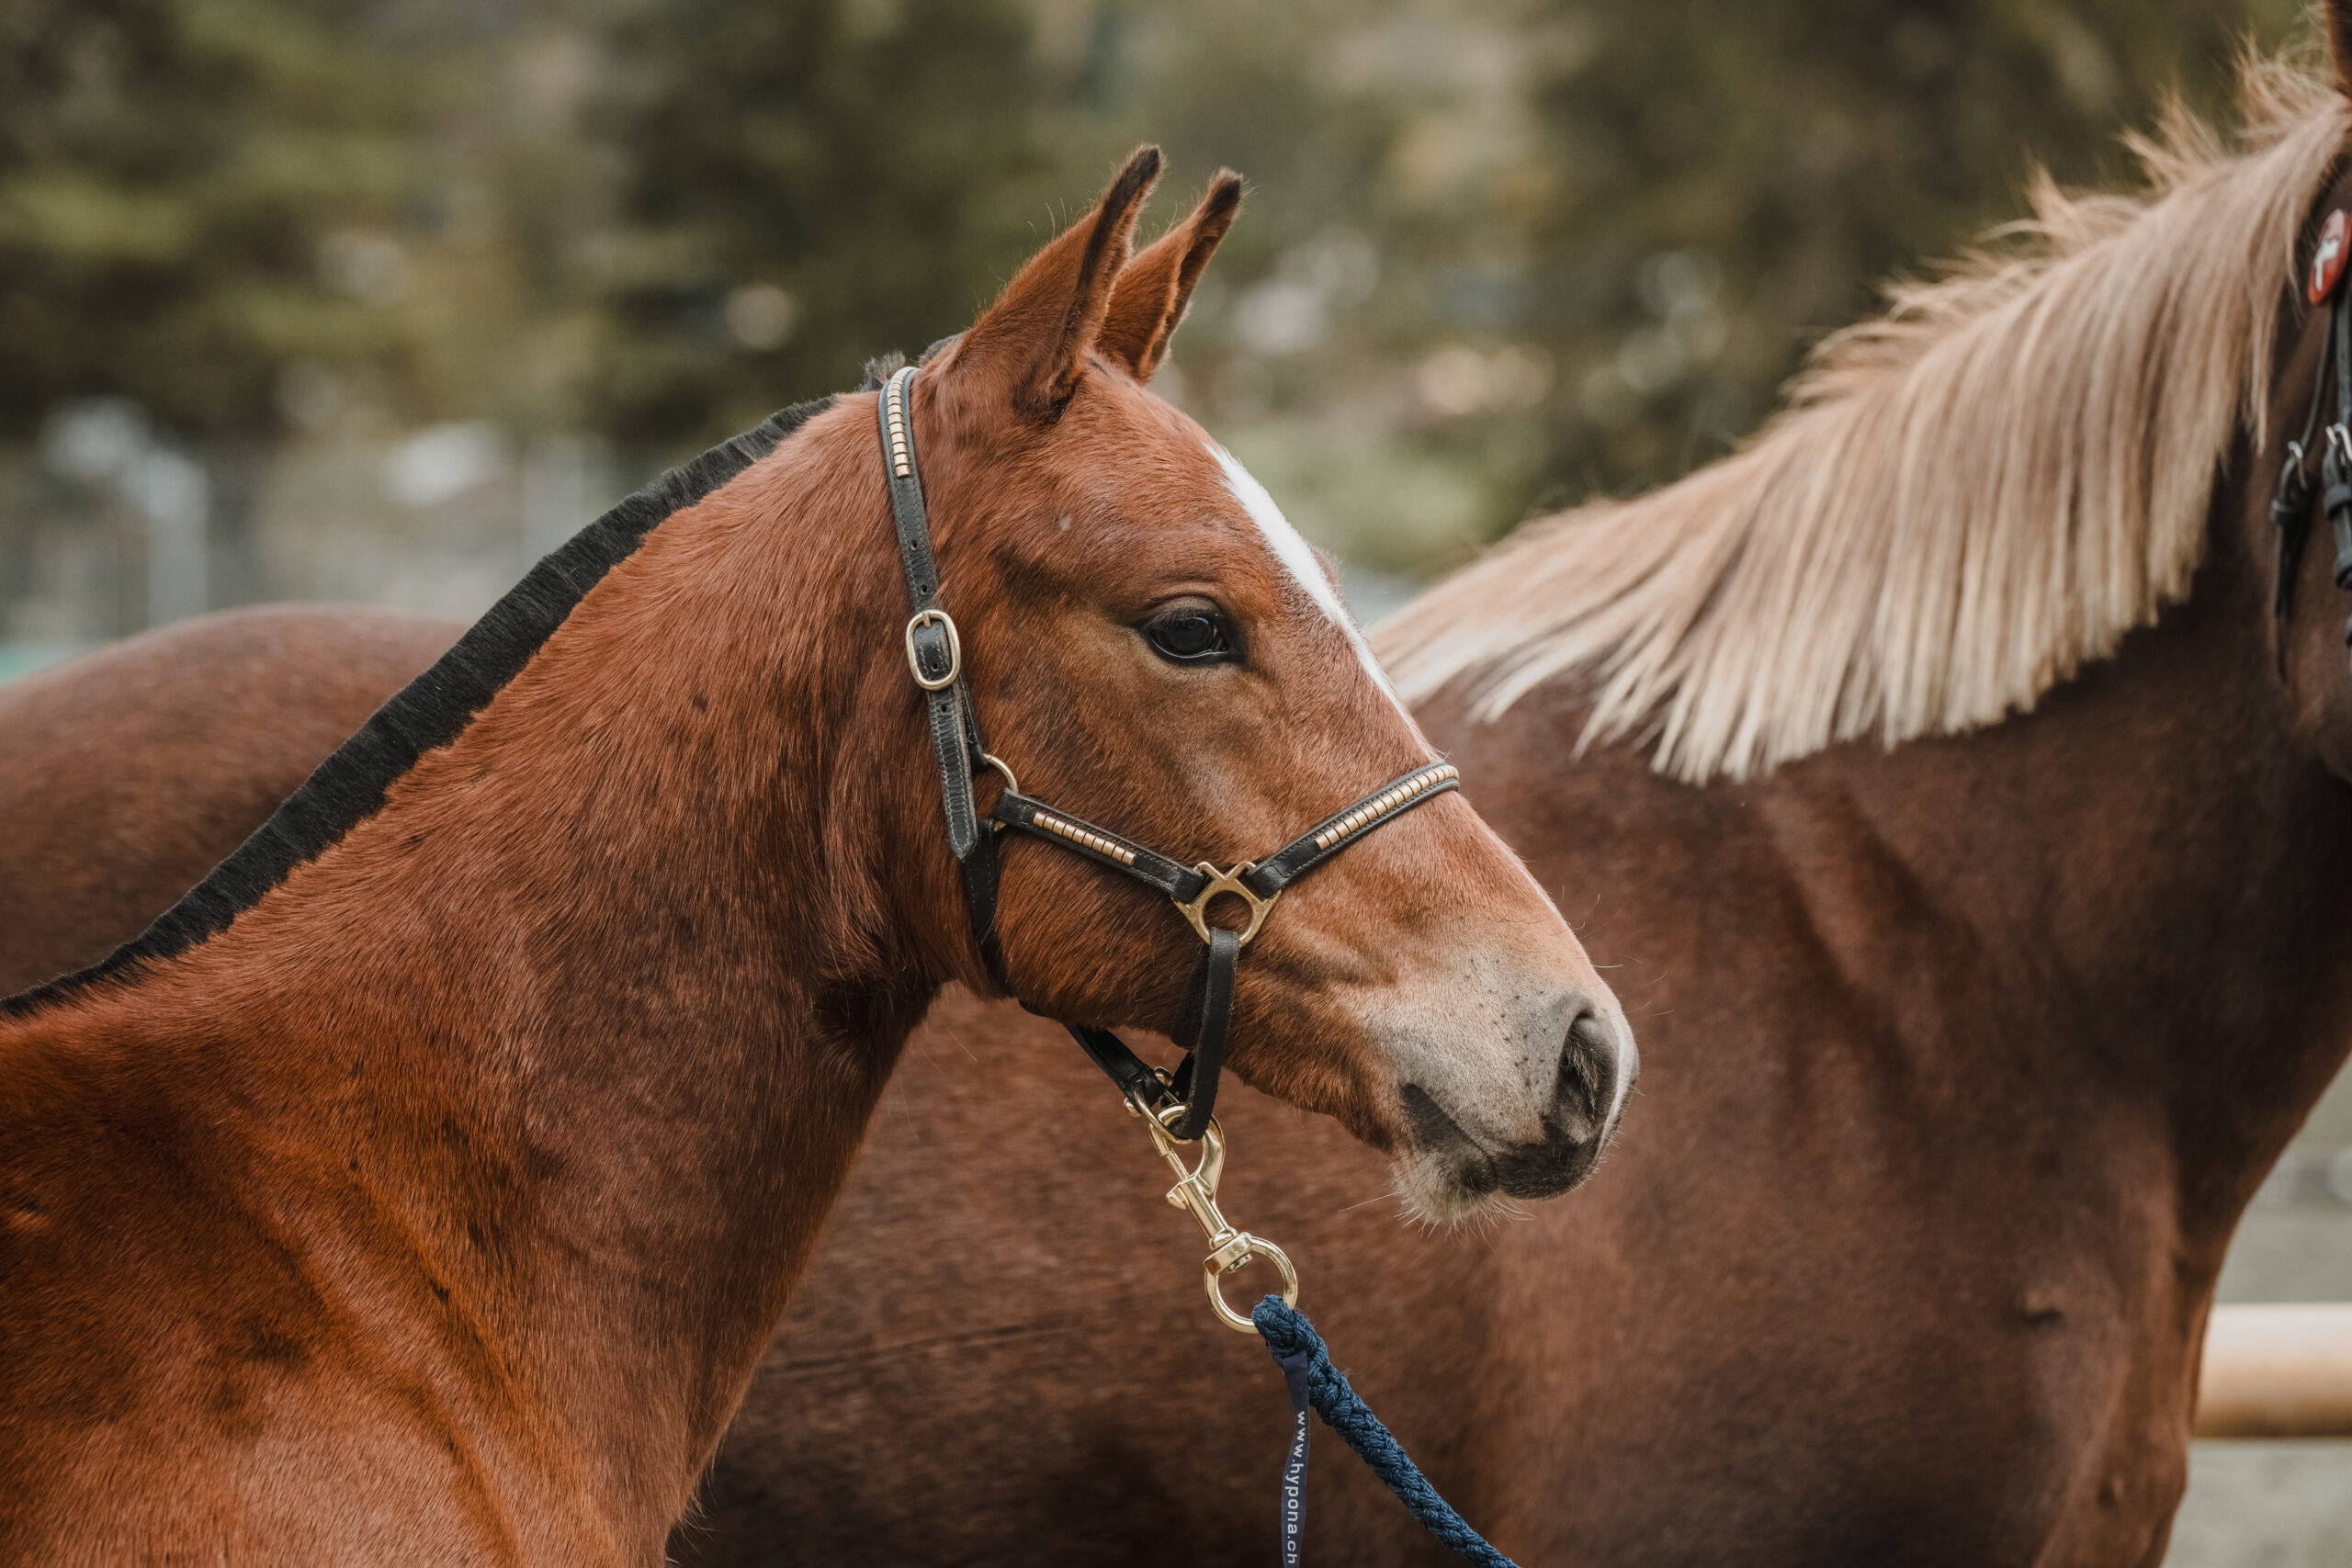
<point x="2290" y="506"/>
<point x="935" y="656"/>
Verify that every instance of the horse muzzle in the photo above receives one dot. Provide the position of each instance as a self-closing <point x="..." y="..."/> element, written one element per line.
<point x="1458" y="1153"/>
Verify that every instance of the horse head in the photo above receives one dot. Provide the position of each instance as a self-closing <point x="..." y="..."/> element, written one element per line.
<point x="1150" y="645"/>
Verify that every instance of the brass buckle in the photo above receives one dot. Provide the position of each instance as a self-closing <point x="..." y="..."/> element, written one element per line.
<point x="1230" y="1250"/>
<point x="955" y="650"/>
<point x="1197" y="911"/>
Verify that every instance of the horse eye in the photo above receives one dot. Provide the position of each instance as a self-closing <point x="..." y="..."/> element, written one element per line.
<point x="1189" y="634"/>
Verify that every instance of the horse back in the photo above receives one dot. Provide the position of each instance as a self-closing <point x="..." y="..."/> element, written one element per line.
<point x="125" y="774"/>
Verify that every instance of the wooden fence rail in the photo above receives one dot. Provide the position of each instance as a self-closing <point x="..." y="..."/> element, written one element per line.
<point x="2277" y="1370"/>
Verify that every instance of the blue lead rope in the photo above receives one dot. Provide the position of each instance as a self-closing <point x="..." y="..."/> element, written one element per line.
<point x="1307" y="1367"/>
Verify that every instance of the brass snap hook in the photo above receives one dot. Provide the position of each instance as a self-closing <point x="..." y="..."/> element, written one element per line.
<point x="1230" y="1250"/>
<point x="1221" y="881"/>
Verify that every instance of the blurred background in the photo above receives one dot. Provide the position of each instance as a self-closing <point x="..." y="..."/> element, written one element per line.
<point x="380" y="300"/>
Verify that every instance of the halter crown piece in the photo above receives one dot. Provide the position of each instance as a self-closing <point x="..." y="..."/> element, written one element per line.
<point x="1176" y="1107"/>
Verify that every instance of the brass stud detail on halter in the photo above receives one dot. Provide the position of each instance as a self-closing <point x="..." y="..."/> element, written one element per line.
<point x="894" y="410"/>
<point x="1077" y="835"/>
<point x="1383" y="803"/>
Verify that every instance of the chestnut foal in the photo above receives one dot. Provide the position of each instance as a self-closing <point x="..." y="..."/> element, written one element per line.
<point x="424" y="1185"/>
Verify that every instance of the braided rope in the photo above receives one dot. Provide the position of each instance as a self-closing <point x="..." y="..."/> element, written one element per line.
<point x="1296" y="1347"/>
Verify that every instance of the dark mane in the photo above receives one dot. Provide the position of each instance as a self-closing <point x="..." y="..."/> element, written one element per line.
<point x="430" y="711"/>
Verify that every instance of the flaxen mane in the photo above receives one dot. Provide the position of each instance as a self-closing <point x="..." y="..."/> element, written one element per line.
<point x="430" y="711"/>
<point x="1961" y="502"/>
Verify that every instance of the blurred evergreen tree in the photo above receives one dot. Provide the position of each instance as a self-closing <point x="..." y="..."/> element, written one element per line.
<point x="197" y="196"/>
<point x="809" y="182"/>
<point x="1498" y="253"/>
<point x="1727" y="182"/>
<point x="1600" y="233"/>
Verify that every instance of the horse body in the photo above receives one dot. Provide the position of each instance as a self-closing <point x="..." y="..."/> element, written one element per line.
<point x="426" y="1182"/>
<point x="2034" y="1012"/>
<point x="138" y="767"/>
<point x="385" y="1134"/>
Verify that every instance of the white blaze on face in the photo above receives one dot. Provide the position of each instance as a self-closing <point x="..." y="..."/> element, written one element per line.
<point x="1299" y="562"/>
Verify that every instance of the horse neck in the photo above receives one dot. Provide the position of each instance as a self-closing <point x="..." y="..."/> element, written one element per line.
<point x="585" y="1022"/>
<point x="2125" y="906"/>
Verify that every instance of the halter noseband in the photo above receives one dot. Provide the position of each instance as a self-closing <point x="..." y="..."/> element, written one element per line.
<point x="935" y="656"/>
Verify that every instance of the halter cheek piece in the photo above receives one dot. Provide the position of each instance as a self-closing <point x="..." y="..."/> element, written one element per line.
<point x="1178" y="1107"/>
<point x="2291" y="506"/>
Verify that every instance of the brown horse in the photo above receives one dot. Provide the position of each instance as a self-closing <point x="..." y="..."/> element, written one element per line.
<point x="424" y="1184"/>
<point x="1964" y="1052"/>
<point x="132" y="771"/>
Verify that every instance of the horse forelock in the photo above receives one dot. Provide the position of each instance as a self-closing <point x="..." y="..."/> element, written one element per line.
<point x="1961" y="500"/>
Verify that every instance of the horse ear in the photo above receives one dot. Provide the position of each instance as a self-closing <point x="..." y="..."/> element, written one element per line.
<point x="1155" y="286"/>
<point x="1035" y="338"/>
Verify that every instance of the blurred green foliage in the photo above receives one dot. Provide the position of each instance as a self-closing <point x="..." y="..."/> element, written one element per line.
<point x="807" y="186"/>
<point x="1498" y="253"/>
<point x="191" y="193"/>
<point x="1724" y="183"/>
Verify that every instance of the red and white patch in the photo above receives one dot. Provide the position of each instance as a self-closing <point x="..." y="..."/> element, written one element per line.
<point x="2327" y="261"/>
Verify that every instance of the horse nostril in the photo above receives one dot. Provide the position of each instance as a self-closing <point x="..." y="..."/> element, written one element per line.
<point x="1589" y="1076"/>
<point x="1585" y="1091"/>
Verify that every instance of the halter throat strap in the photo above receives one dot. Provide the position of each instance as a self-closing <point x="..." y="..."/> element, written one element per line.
<point x="936" y="658"/>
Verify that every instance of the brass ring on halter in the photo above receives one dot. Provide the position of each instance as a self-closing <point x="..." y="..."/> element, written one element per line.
<point x="1220" y="882"/>
<point x="1246" y="1247"/>
<point x="955" y="650"/>
<point x="1011" y="786"/>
